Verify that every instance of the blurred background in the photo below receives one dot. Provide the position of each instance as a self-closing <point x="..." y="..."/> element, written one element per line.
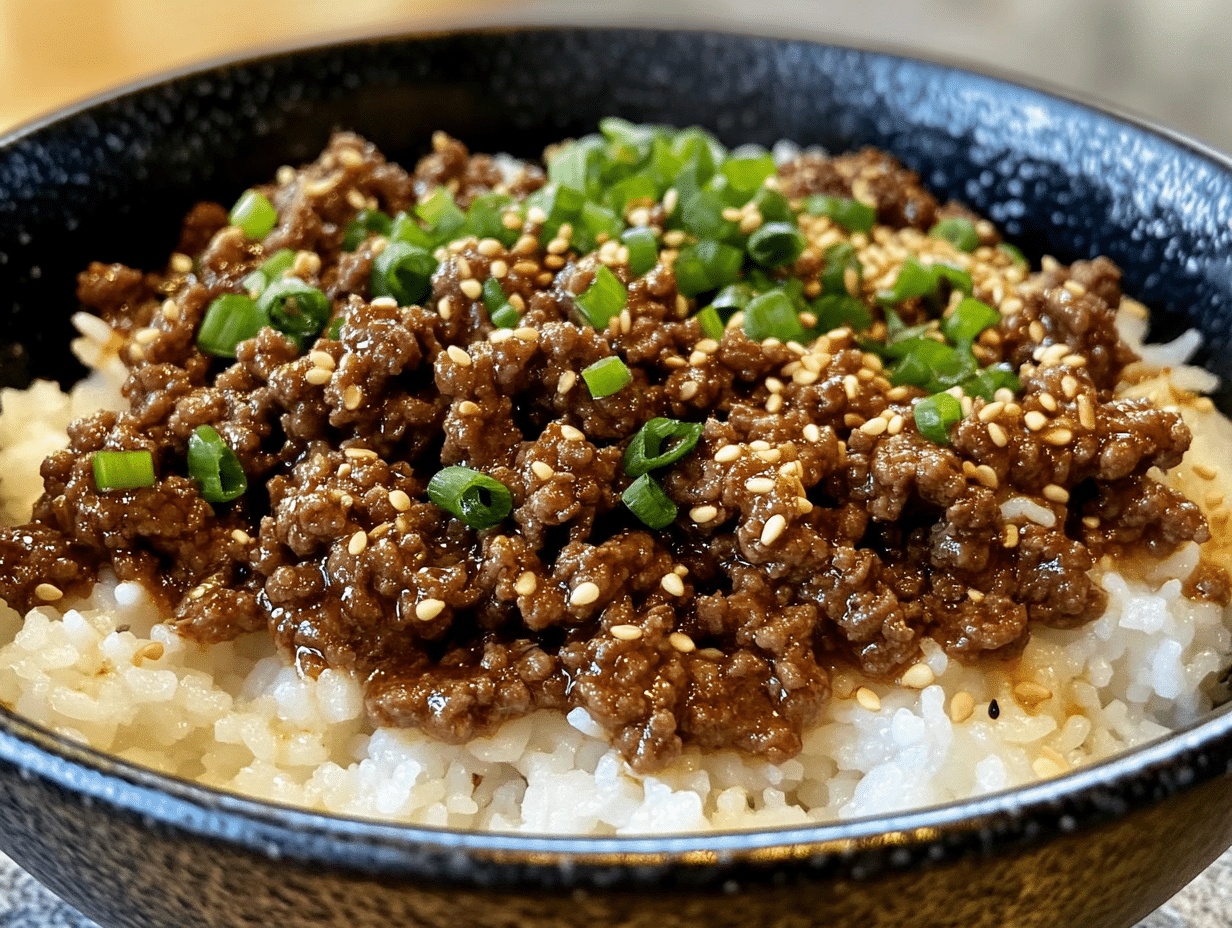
<point x="1164" y="61"/>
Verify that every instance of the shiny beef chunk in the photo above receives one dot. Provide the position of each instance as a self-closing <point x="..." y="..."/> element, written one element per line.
<point x="817" y="528"/>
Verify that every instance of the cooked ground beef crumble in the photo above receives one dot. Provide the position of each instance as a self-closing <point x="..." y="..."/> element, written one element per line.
<point x="817" y="527"/>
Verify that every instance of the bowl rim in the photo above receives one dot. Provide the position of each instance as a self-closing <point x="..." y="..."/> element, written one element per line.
<point x="1064" y="803"/>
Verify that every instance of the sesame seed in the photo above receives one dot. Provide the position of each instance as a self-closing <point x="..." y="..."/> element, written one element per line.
<point x="769" y="455"/>
<point x="542" y="470"/>
<point x="566" y="382"/>
<point x="1059" y="437"/>
<point x="774" y="527"/>
<point x="458" y="356"/>
<point x="672" y="584"/>
<point x="170" y="310"/>
<point x="536" y="215"/>
<point x="1036" y="331"/>
<point x="991" y="411"/>
<point x="689" y="390"/>
<point x="728" y="453"/>
<point x="322" y="359"/>
<point x="569" y="433"/>
<point x="805" y="377"/>
<point x="1091" y="522"/>
<point x="1035" y="420"/>
<point x="358" y="542"/>
<point x="526" y="583"/>
<point x="851" y="386"/>
<point x="962" y="706"/>
<point x="146" y="336"/>
<point x="352" y="397"/>
<point x="444" y="307"/>
<point x="874" y="426"/>
<point x="399" y="500"/>
<point x="707" y="346"/>
<point x="987" y="476"/>
<point x="526" y="333"/>
<point x="1011" y="536"/>
<point x="975" y="595"/>
<point x="318" y="376"/>
<point x="703" y="514"/>
<point x="698" y="358"/>
<point x="1056" y="494"/>
<point x="241" y="536"/>
<point x="468" y="408"/>
<point x="584" y="593"/>
<point x="918" y="676"/>
<point x="896" y="424"/>
<point x="48" y="592"/>
<point x="681" y="642"/>
<point x="759" y="485"/>
<point x="868" y="699"/>
<point x="1074" y="360"/>
<point x="1069" y="385"/>
<point x="471" y="288"/>
<point x="1205" y="471"/>
<point x="1086" y="412"/>
<point x="428" y="609"/>
<point x="1075" y="288"/>
<point x="626" y="632"/>
<point x="997" y="434"/>
<point x="1031" y="693"/>
<point x="759" y="445"/>
<point x="1048" y="401"/>
<point x="812" y="433"/>
<point x="380" y="530"/>
<point x="361" y="454"/>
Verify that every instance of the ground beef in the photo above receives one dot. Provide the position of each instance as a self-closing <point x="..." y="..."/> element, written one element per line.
<point x="817" y="528"/>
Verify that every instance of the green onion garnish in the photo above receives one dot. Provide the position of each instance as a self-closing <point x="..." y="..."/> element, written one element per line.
<point x="214" y="465"/>
<point x="441" y="215"/>
<point x="989" y="380"/>
<point x="404" y="272"/>
<point x="772" y="315"/>
<point x="916" y="279"/>
<point x="270" y="269"/>
<point x="935" y="415"/>
<point x="295" y="308"/>
<point x="506" y="317"/>
<point x="706" y="266"/>
<point x="229" y="320"/>
<point x="607" y="376"/>
<point x="475" y="498"/>
<point x="254" y="214"/>
<point x="366" y="222"/>
<point x="838" y="309"/>
<point x="493" y="295"/>
<point x="747" y="169"/>
<point x="711" y="322"/>
<point x="123" y="470"/>
<point x="969" y="319"/>
<point x="841" y="260"/>
<point x="643" y="249"/>
<point x="775" y="244"/>
<point x="1014" y="252"/>
<point x="646" y="451"/>
<point x="648" y="501"/>
<point x="958" y="231"/>
<point x="852" y="215"/>
<point x="603" y="299"/>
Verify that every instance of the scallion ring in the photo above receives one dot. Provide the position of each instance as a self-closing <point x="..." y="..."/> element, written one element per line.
<point x="229" y="320"/>
<point x="647" y="450"/>
<point x="215" y="467"/>
<point x="607" y="376"/>
<point x="123" y="470"/>
<point x="649" y="502"/>
<point x="936" y="415"/>
<point x="295" y="308"/>
<point x="603" y="299"/>
<point x="254" y="214"/>
<point x="775" y="244"/>
<point x="477" y="499"/>
<point x="404" y="272"/>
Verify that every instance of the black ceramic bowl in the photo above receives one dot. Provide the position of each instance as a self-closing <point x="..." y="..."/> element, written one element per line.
<point x="1099" y="847"/>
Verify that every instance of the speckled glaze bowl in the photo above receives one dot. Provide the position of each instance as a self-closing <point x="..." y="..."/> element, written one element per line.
<point x="1098" y="848"/>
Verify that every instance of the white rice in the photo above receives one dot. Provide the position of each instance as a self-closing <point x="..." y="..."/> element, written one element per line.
<point x="233" y="716"/>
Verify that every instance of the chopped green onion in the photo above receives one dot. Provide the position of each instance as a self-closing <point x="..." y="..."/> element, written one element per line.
<point x="404" y="272"/>
<point x="989" y="380"/>
<point x="1014" y="252"/>
<point x="934" y="366"/>
<point x="706" y="266"/>
<point x="838" y="309"/>
<point x="638" y="187"/>
<point x="852" y="215"/>
<point x="775" y="244"/>
<point x="732" y="299"/>
<point x="366" y="222"/>
<point x="702" y="216"/>
<point x="595" y="223"/>
<point x="493" y="295"/>
<point x="710" y="322"/>
<point x="772" y="315"/>
<point x="643" y="249"/>
<point x="747" y="169"/>
<point x="441" y="215"/>
<point x="840" y="261"/>
<point x="916" y="279"/>
<point x="607" y="376"/>
<point x="603" y="299"/>
<point x="229" y="320"/>
<point x="254" y="214"/>
<point x="969" y="319"/>
<point x="506" y="317"/>
<point x="295" y="308"/>
<point x="270" y="269"/>
<point x="214" y="465"/>
<point x="406" y="228"/>
<point x="649" y="502"/>
<point x="646" y="450"/>
<point x="335" y="328"/>
<point x="936" y="415"/>
<point x="123" y="470"/>
<point x="773" y="206"/>
<point x="574" y="164"/>
<point x="958" y="231"/>
<point x="475" y="498"/>
<point x="485" y="218"/>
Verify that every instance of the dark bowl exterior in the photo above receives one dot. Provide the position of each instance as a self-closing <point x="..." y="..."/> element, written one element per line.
<point x="1098" y="848"/>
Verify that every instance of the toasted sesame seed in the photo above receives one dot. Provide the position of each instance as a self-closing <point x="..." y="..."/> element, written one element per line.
<point x="975" y="595"/>
<point x="681" y="642"/>
<point x="1056" y="494"/>
<point x="1031" y="693"/>
<point x="1048" y="401"/>
<point x="851" y="386"/>
<point x="868" y="699"/>
<point x="468" y="408"/>
<point x="672" y="584"/>
<point x="962" y="706"/>
<point x="987" y="476"/>
<point x="1069" y="386"/>
<point x="399" y="500"/>
<point x="759" y="445"/>
<point x="358" y="542"/>
<point x="1074" y="360"/>
<point x="526" y="583"/>
<point x="728" y="453"/>
<point x="626" y="632"/>
<point x="48" y="592"/>
<point x="1091" y="522"/>
<point x="918" y="676"/>
<point x="759" y="485"/>
<point x="1036" y="331"/>
<point x="812" y="433"/>
<point x="1205" y="471"/>
<point x="318" y="376"/>
<point x="352" y="397"/>
<point x="458" y="356"/>
<point x="997" y="434"/>
<point x="322" y="359"/>
<point x="1035" y="420"/>
<point x="384" y="302"/>
<point x="471" y="288"/>
<point x="569" y="433"/>
<point x="444" y="307"/>
<point x="542" y="470"/>
<point x="428" y="609"/>
<point x="1086" y="412"/>
<point x="1074" y="287"/>
<point x="1059" y="437"/>
<point x="361" y="454"/>
<point x="874" y="426"/>
<point x="584" y="593"/>
<point x="689" y="389"/>
<point x="146" y="336"/>
<point x="1011" y="536"/>
<point x="991" y="411"/>
<point x="241" y="536"/>
<point x="895" y="425"/>
<point x="526" y="333"/>
<point x="769" y="455"/>
<point x="703" y="514"/>
<point x="774" y="527"/>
